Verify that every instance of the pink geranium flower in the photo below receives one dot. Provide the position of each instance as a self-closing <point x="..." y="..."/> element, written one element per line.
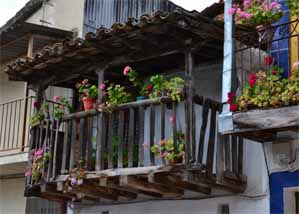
<point x="171" y="119"/>
<point x="57" y="98"/>
<point x="102" y="86"/>
<point x="127" y="69"/>
<point x="28" y="173"/>
<point x="39" y="152"/>
<point x="296" y="64"/>
<point x="232" y="11"/>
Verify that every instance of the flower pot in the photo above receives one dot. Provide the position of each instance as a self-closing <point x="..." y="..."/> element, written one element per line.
<point x="141" y="98"/>
<point x="176" y="161"/>
<point x="266" y="33"/>
<point x="88" y="103"/>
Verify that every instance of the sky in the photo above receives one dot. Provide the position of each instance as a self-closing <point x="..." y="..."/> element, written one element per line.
<point x="8" y="8"/>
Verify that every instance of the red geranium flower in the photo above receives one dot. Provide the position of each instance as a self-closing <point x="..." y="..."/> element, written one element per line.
<point x="36" y="104"/>
<point x="268" y="60"/>
<point x="149" y="87"/>
<point x="233" y="107"/>
<point x="274" y="72"/>
<point x="229" y="100"/>
<point x="231" y="95"/>
<point x="252" y="80"/>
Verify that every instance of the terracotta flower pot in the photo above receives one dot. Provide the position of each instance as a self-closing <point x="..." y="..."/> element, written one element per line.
<point x="88" y="103"/>
<point x="176" y="161"/>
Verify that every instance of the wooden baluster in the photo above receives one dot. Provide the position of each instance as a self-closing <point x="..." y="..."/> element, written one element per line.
<point x="227" y="153"/>
<point x="73" y="144"/>
<point x="235" y="154"/>
<point x="187" y="131"/>
<point x="120" y="139"/>
<point x="152" y="134"/>
<point x="193" y="133"/>
<point x="41" y="128"/>
<point x="109" y="143"/>
<point x="240" y="158"/>
<point x="101" y="138"/>
<point x="131" y="137"/>
<point x="163" y="108"/>
<point x="65" y="154"/>
<point x="51" y="150"/>
<point x="54" y="169"/>
<point x="174" y="126"/>
<point x="204" y="117"/>
<point x="89" y="162"/>
<point x="141" y="137"/>
<point x="82" y="142"/>
<point x="45" y="147"/>
<point x="220" y="160"/>
<point x="212" y="138"/>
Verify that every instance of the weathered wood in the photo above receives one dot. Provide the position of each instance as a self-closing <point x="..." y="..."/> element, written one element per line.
<point x="95" y="191"/>
<point x="220" y="160"/>
<point x="89" y="162"/>
<point x="152" y="134"/>
<point x="54" y="167"/>
<point x="73" y="144"/>
<point x="51" y="149"/>
<point x="82" y="141"/>
<point x="45" y="146"/>
<point x="131" y="137"/>
<point x="212" y="138"/>
<point x="109" y="142"/>
<point x="193" y="133"/>
<point x="142" y="184"/>
<point x="101" y="137"/>
<point x="101" y="78"/>
<point x="141" y="137"/>
<point x="187" y="131"/>
<point x="163" y="108"/>
<point x="174" y="126"/>
<point x="227" y="147"/>
<point x="234" y="154"/>
<point x="120" y="139"/>
<point x="267" y="119"/>
<point x="65" y="153"/>
<point x="79" y="115"/>
<point x="240" y="156"/>
<point x="204" y="117"/>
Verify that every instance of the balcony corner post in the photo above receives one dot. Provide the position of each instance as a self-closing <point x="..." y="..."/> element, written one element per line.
<point x="225" y="122"/>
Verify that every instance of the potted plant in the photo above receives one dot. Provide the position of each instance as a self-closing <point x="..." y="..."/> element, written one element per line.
<point x="256" y="13"/>
<point x="293" y="7"/>
<point x="117" y="94"/>
<point x="88" y="93"/>
<point x="39" y="113"/>
<point x="267" y="89"/>
<point x="165" y="149"/>
<point x="61" y="107"/>
<point x="40" y="160"/>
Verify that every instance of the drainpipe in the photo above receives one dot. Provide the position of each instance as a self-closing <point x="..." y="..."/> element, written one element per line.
<point x="225" y="118"/>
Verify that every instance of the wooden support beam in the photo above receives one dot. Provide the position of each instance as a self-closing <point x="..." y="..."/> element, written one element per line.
<point x="143" y="184"/>
<point x="95" y="192"/>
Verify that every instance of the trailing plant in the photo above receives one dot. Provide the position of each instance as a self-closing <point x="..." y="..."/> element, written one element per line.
<point x="39" y="113"/>
<point x="166" y="148"/>
<point x="61" y="107"/>
<point x="87" y="90"/>
<point x="293" y="7"/>
<point x="256" y="13"/>
<point x="133" y="76"/>
<point x="40" y="160"/>
<point x="267" y="89"/>
<point x="117" y="94"/>
<point x="175" y="88"/>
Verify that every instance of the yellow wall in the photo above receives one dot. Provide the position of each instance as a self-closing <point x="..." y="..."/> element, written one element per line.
<point x="294" y="44"/>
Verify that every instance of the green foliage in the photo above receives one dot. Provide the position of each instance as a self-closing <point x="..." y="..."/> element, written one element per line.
<point x="166" y="149"/>
<point x="117" y="95"/>
<point x="162" y="87"/>
<point x="293" y="7"/>
<point x="86" y="89"/>
<point x="270" y="91"/>
<point x="40" y="162"/>
<point x="38" y="115"/>
<point x="62" y="108"/>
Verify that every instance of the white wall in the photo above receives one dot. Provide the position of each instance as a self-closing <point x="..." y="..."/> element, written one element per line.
<point x="237" y="205"/>
<point x="62" y="14"/>
<point x="12" y="200"/>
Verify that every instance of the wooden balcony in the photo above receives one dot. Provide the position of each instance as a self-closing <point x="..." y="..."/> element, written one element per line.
<point x="110" y="147"/>
<point x="264" y="125"/>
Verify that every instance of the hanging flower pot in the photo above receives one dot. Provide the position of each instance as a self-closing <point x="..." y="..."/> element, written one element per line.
<point x="266" y="33"/>
<point x="89" y="103"/>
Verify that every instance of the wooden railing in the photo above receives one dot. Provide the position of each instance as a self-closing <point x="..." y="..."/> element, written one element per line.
<point x="121" y="137"/>
<point x="14" y="125"/>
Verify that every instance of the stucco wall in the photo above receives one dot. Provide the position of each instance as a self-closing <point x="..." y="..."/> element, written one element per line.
<point x="12" y="200"/>
<point x="62" y="14"/>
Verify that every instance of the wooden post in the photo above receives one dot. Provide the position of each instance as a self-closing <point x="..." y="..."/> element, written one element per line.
<point x="101" y="131"/>
<point x="189" y="65"/>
